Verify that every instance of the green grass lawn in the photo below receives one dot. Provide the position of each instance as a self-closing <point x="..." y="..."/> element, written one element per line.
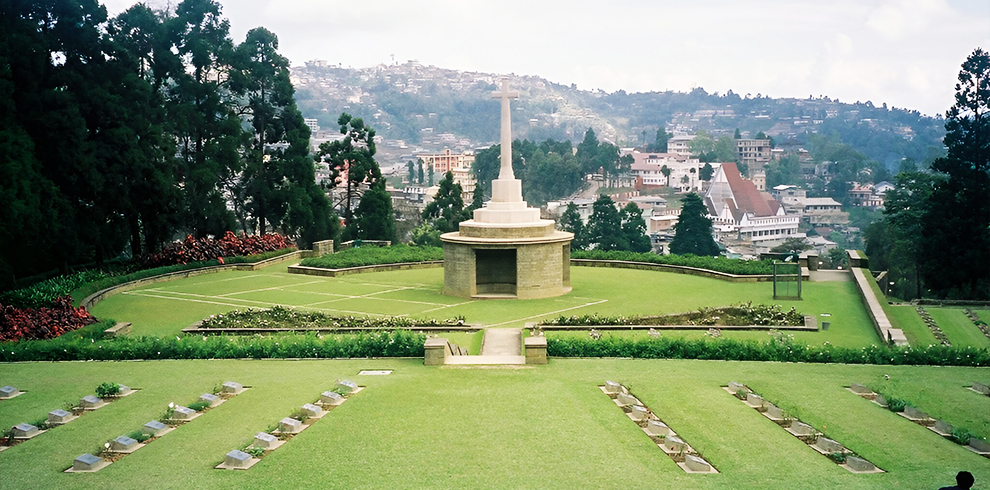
<point x="531" y="427"/>
<point x="165" y="308"/>
<point x="958" y="327"/>
<point x="907" y="319"/>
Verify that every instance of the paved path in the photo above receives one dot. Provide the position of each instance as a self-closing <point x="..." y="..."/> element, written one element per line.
<point x="501" y="346"/>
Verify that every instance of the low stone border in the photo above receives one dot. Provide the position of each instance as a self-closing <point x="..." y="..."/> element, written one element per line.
<point x="685" y="456"/>
<point x="878" y="317"/>
<point x="103" y="294"/>
<point x="804" y="432"/>
<point x="678" y="269"/>
<point x="319" y="271"/>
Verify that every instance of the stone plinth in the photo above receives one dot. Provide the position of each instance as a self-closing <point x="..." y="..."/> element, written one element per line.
<point x="536" y="350"/>
<point x="436" y="351"/>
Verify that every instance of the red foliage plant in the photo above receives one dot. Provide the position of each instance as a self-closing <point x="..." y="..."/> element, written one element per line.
<point x="42" y="323"/>
<point x="199" y="249"/>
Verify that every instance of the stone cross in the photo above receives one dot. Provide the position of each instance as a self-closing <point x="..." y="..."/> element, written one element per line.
<point x="505" y="172"/>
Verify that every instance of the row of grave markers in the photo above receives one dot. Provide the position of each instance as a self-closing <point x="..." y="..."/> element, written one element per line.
<point x="289" y="427"/>
<point x="124" y="445"/>
<point x="916" y="415"/>
<point x="805" y="432"/>
<point x="686" y="457"/>
<point x="25" y="431"/>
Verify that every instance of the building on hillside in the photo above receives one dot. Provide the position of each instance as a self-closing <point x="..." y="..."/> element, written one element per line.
<point x="647" y="169"/>
<point x="680" y="144"/>
<point x="739" y="210"/>
<point x="759" y="178"/>
<point x="457" y="163"/>
<point x="822" y="211"/>
<point x="867" y="195"/>
<point x="752" y="152"/>
<point x="314" y="125"/>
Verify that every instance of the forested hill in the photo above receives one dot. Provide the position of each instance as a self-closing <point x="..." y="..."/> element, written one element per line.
<point x="414" y="103"/>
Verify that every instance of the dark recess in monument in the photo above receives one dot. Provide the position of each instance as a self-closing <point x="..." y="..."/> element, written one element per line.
<point x="495" y="271"/>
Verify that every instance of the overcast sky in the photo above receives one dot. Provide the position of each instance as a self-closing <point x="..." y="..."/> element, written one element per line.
<point x="905" y="53"/>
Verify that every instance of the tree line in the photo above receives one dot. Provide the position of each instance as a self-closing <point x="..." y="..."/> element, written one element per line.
<point x="118" y="134"/>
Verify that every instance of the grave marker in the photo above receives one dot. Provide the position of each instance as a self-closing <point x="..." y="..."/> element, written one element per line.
<point x="331" y="398"/>
<point x="24" y="431"/>
<point x="774" y="412"/>
<point x="827" y="446"/>
<point x="657" y="428"/>
<point x="312" y="411"/>
<point x="265" y="441"/>
<point x="231" y="388"/>
<point x="942" y="428"/>
<point x="289" y="425"/>
<point x="736" y="387"/>
<point x="347" y="385"/>
<point x="154" y="428"/>
<point x="639" y="413"/>
<point x="979" y="446"/>
<point x="237" y="459"/>
<point x="696" y="464"/>
<point x="183" y="413"/>
<point x="756" y="401"/>
<point x="123" y="444"/>
<point x="212" y="399"/>
<point x="914" y="413"/>
<point x="625" y="400"/>
<point x="612" y="388"/>
<point x="10" y="392"/>
<point x="860" y="389"/>
<point x="801" y="429"/>
<point x="87" y="463"/>
<point x="59" y="417"/>
<point x="981" y="388"/>
<point x="91" y="402"/>
<point x="860" y="465"/>
<point x="880" y="400"/>
<point x="674" y="444"/>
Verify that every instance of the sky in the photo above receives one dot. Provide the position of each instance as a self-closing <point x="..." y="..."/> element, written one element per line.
<point x="905" y="53"/>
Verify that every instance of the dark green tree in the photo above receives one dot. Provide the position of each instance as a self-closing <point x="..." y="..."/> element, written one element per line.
<point x="412" y="171"/>
<point x="634" y="229"/>
<point x="792" y="245"/>
<point x="477" y="199"/>
<point x="693" y="231"/>
<point x="420" y="177"/>
<point x="352" y="158"/>
<point x="605" y="226"/>
<point x="570" y="221"/>
<point x="446" y="211"/>
<point x="706" y="172"/>
<point x="659" y="144"/>
<point x="737" y="135"/>
<point x="587" y="152"/>
<point x="374" y="219"/>
<point x="786" y="171"/>
<point x="665" y="170"/>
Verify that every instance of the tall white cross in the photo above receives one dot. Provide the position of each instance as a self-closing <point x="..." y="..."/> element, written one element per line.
<point x="505" y="172"/>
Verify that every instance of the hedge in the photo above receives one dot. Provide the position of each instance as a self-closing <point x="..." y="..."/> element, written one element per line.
<point x="777" y="350"/>
<point x="719" y="264"/>
<point x="283" y="317"/>
<point x="362" y="256"/>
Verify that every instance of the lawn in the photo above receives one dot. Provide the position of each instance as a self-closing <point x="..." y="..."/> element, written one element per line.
<point x="958" y="327"/>
<point x="530" y="427"/>
<point x="165" y="308"/>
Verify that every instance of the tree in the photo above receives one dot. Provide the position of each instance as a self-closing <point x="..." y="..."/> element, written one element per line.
<point x="737" y="135"/>
<point x="412" y="171"/>
<point x="786" y="171"/>
<point x="353" y="159"/>
<point x="792" y="245"/>
<point x="701" y="144"/>
<point x="477" y="199"/>
<point x="374" y="219"/>
<point x="706" y="172"/>
<point x="665" y="170"/>
<point x="587" y="152"/>
<point x="570" y="221"/>
<point x="693" y="231"/>
<point x="420" y="178"/>
<point x="659" y="144"/>
<point x="605" y="226"/>
<point x="634" y="229"/>
<point x="956" y="227"/>
<point x="446" y="211"/>
<point x="429" y="173"/>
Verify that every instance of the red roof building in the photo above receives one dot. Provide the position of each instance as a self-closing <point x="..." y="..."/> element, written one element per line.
<point x="739" y="210"/>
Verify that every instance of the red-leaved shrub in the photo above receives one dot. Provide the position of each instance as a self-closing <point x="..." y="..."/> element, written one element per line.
<point x="42" y="323"/>
<point x="199" y="249"/>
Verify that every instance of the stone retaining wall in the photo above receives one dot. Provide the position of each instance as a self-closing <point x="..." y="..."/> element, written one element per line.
<point x="318" y="271"/>
<point x="874" y="309"/>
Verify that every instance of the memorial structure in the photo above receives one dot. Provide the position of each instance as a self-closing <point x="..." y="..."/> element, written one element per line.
<point x="506" y="251"/>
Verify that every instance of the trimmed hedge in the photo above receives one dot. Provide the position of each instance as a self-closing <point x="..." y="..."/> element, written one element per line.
<point x="283" y="317"/>
<point x="397" y="343"/>
<point x="362" y="256"/>
<point x="777" y="350"/>
<point x="741" y="314"/>
<point x="719" y="264"/>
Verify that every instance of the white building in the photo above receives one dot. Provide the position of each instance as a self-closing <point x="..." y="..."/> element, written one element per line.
<point x="740" y="211"/>
<point x="685" y="171"/>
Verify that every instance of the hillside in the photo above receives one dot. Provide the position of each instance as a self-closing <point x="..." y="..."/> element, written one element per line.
<point x="415" y="107"/>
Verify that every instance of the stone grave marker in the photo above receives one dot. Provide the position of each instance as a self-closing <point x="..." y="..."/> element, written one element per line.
<point x="860" y="465"/>
<point x="211" y="398"/>
<point x="124" y="391"/>
<point x="237" y="459"/>
<point x="331" y="398"/>
<point x="265" y="441"/>
<point x="123" y="444"/>
<point x="674" y="444"/>
<point x="736" y="387"/>
<point x="801" y="429"/>
<point x="626" y="400"/>
<point x="942" y="428"/>
<point x="696" y="464"/>
<point x="657" y="428"/>
<point x="347" y="385"/>
<point x="24" y="431"/>
<point x="289" y="425"/>
<point x="87" y="462"/>
<point x="880" y="400"/>
<point x="10" y="392"/>
<point x="977" y="387"/>
<point x="774" y="413"/>
<point x="312" y="411"/>
<point x="231" y="388"/>
<point x="979" y="446"/>
<point x="154" y="428"/>
<point x="183" y="413"/>
<point x="827" y="446"/>
<point x="639" y="413"/>
<point x="914" y="414"/>
<point x="59" y="417"/>
<point x="91" y="402"/>
<point x="756" y="401"/>
<point x="860" y="389"/>
<point x="612" y="388"/>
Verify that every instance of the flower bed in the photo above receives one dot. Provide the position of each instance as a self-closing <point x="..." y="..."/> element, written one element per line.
<point x="201" y="249"/>
<point x="42" y="323"/>
<point x="283" y="317"/>
<point x="741" y="314"/>
<point x="362" y="256"/>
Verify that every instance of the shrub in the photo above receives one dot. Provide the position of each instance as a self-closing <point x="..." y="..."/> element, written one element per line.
<point x="838" y="457"/>
<point x="107" y="389"/>
<point x="199" y="406"/>
<point x="362" y="256"/>
<point x="42" y="323"/>
<point x="202" y="249"/>
<point x="719" y="264"/>
<point x="44" y="293"/>
<point x="741" y="314"/>
<point x="961" y="436"/>
<point x="283" y="317"/>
